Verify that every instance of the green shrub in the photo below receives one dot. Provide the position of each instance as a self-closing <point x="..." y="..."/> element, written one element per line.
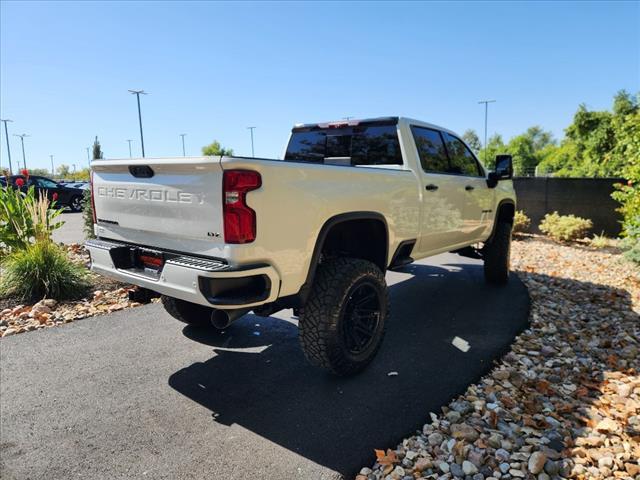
<point x="633" y="254"/>
<point x="565" y="228"/>
<point x="521" y="222"/>
<point x="87" y="214"/>
<point x="600" y="241"/>
<point x="25" y="218"/>
<point x="632" y="249"/>
<point x="629" y="194"/>
<point x="42" y="269"/>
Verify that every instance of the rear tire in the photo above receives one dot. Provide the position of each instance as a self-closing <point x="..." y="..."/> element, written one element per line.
<point x="497" y="255"/>
<point x="187" y="312"/>
<point x="342" y="323"/>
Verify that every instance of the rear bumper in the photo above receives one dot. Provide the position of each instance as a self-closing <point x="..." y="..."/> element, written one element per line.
<point x="203" y="281"/>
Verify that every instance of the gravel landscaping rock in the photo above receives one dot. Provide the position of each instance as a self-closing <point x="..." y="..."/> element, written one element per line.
<point x="565" y="401"/>
<point x="106" y="296"/>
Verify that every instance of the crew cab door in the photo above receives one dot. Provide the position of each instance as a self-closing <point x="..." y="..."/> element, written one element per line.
<point x="443" y="200"/>
<point x="477" y="196"/>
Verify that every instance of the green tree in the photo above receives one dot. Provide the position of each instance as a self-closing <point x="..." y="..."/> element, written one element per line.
<point x="215" y="149"/>
<point x="39" y="171"/>
<point x="555" y="160"/>
<point x="598" y="140"/>
<point x="82" y="175"/>
<point x="539" y="138"/>
<point x="471" y="138"/>
<point x="529" y="149"/>
<point x="97" y="151"/>
<point x="624" y="103"/>
<point x="63" y="171"/>
<point x="495" y="146"/>
<point x="628" y="149"/>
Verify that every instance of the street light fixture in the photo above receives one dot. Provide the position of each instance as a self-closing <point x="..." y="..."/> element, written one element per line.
<point x="486" y="114"/>
<point x="137" y="93"/>
<point x="6" y="134"/>
<point x="24" y="159"/>
<point x="252" y="151"/>
<point x="183" y="151"/>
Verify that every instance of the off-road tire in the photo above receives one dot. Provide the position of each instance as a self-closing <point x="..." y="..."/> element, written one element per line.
<point x="187" y="312"/>
<point x="323" y="319"/>
<point x="497" y="255"/>
<point x="75" y="204"/>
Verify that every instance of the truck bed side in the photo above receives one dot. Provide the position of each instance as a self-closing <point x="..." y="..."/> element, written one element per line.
<point x="292" y="205"/>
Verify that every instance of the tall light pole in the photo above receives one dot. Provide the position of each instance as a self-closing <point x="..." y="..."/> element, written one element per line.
<point x="52" y="170"/>
<point x="137" y="94"/>
<point x="24" y="158"/>
<point x="88" y="156"/>
<point x="183" y="135"/>
<point x="129" y="141"/>
<point x="253" y="154"/>
<point x="486" y="116"/>
<point x="6" y="134"/>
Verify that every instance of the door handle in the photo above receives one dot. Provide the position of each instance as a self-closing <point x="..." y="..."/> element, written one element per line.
<point x="431" y="187"/>
<point x="469" y="188"/>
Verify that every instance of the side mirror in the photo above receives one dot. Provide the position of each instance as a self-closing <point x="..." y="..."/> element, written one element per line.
<point x="503" y="170"/>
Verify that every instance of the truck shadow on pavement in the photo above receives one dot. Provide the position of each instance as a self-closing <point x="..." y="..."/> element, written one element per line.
<point x="260" y="380"/>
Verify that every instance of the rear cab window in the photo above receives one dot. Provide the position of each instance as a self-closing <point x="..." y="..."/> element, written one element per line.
<point x="366" y="144"/>
<point x="431" y="150"/>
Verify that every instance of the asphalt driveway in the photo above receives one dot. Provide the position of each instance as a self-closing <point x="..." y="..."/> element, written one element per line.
<point x="71" y="231"/>
<point x="135" y="394"/>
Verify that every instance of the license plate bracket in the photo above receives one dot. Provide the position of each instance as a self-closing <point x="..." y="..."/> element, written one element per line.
<point x="149" y="259"/>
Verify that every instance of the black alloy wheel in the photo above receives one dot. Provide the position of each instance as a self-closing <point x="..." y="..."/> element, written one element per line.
<point x="361" y="317"/>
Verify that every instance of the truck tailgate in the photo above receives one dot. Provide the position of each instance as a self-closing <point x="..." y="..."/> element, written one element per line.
<point x="160" y="202"/>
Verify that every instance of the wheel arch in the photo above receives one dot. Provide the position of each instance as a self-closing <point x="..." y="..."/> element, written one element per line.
<point x="370" y="225"/>
<point x="504" y="212"/>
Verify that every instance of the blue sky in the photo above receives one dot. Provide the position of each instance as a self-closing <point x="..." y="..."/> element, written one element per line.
<point x="212" y="69"/>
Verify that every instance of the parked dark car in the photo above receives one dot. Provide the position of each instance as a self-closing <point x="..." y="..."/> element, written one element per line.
<point x="63" y="195"/>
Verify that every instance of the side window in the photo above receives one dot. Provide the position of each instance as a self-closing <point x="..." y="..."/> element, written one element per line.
<point x="46" y="183"/>
<point x="462" y="160"/>
<point x="433" y="155"/>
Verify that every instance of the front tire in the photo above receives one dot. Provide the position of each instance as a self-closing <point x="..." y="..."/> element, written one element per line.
<point x="187" y="312"/>
<point x="76" y="203"/>
<point x="342" y="323"/>
<point x="497" y="255"/>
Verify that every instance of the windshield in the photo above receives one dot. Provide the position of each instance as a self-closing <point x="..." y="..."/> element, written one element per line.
<point x="346" y="145"/>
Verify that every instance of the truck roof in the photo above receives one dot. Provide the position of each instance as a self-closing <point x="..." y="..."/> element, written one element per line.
<point x="357" y="121"/>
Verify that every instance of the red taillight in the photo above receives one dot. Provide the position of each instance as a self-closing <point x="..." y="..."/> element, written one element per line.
<point x="239" y="218"/>
<point x="93" y="199"/>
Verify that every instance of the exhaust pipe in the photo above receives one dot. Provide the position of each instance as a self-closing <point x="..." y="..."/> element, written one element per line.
<point x="221" y="319"/>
